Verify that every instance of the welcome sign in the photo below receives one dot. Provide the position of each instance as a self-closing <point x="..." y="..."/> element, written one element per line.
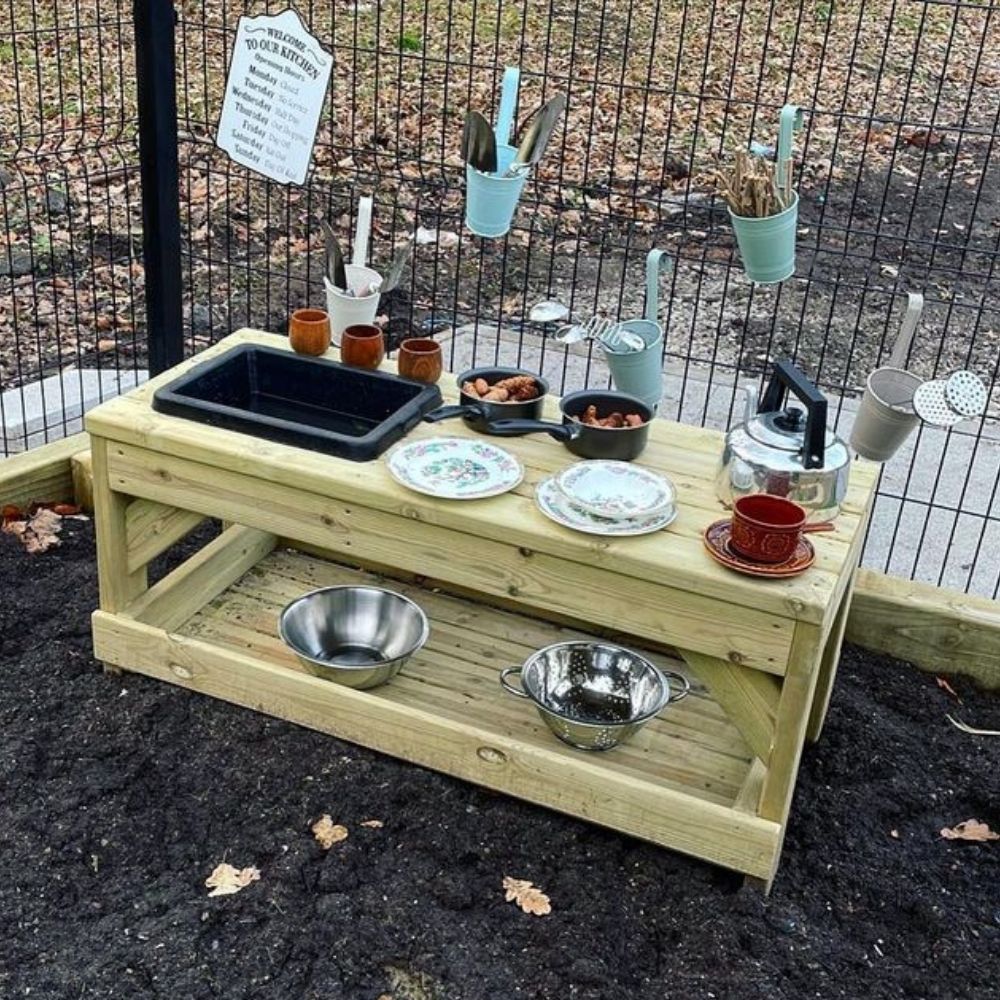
<point x="277" y="81"/>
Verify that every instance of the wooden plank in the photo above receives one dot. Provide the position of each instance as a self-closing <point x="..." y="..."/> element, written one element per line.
<point x="544" y="773"/>
<point x="40" y="475"/>
<point x="118" y="585"/>
<point x="748" y="797"/>
<point x="828" y="667"/>
<point x="171" y="601"/>
<point x="675" y="557"/>
<point x="750" y="698"/>
<point x="82" y="473"/>
<point x="940" y="630"/>
<point x="531" y="579"/>
<point x="151" y="528"/>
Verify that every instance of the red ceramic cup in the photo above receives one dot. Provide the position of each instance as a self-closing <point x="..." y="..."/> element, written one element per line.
<point x="309" y="331"/>
<point x="766" y="528"/>
<point x="362" y="346"/>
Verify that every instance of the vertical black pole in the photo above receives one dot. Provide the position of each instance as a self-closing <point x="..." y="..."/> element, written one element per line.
<point x="161" y="221"/>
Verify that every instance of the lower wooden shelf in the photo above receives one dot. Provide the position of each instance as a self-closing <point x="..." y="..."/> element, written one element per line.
<point x="685" y="781"/>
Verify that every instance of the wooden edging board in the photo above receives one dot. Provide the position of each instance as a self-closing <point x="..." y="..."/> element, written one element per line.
<point x="934" y="628"/>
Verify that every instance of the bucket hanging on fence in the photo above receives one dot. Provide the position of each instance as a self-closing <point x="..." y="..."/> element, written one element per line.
<point x="767" y="245"/>
<point x="491" y="199"/>
<point x="363" y="283"/>
<point x="640" y="373"/>
<point x="886" y="415"/>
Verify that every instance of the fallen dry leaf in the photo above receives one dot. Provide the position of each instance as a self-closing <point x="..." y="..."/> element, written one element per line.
<point x="225" y="879"/>
<point x="66" y="509"/>
<point x="971" y="829"/>
<point x="524" y="893"/>
<point x="945" y="686"/>
<point x="374" y="824"/>
<point x="328" y="833"/>
<point x="38" y="533"/>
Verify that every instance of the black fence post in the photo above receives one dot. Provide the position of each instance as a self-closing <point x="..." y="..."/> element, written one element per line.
<point x="161" y="222"/>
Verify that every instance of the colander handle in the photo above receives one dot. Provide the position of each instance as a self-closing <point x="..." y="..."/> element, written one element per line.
<point x="682" y="680"/>
<point x="506" y="684"/>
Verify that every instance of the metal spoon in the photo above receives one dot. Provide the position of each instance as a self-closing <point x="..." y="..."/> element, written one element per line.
<point x="548" y="311"/>
<point x="479" y="144"/>
<point x="536" y="136"/>
<point x="335" y="269"/>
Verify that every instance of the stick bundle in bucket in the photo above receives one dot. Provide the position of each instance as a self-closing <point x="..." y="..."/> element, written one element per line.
<point x="751" y="189"/>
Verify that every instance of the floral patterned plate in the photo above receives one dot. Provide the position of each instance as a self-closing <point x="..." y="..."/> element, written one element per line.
<point x="616" y="490"/>
<point x="553" y="504"/>
<point x="454" y="468"/>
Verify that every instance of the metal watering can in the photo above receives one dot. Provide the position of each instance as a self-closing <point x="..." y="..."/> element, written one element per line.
<point x="786" y="451"/>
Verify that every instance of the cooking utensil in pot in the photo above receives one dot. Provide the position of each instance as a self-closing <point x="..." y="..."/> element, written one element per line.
<point x="536" y="136"/>
<point x="356" y="636"/>
<point x="335" y="270"/>
<point x="592" y="329"/>
<point x="594" y="695"/>
<point x="479" y="143"/>
<point x="479" y="412"/>
<point x="786" y="451"/>
<point x="587" y="440"/>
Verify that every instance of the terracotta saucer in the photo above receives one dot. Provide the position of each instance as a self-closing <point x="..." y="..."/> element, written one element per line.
<point x="717" y="543"/>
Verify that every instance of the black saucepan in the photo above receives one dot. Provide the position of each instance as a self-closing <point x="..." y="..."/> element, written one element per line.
<point x="479" y="412"/>
<point x="585" y="440"/>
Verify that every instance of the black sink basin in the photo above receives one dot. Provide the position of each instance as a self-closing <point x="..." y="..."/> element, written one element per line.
<point x="308" y="402"/>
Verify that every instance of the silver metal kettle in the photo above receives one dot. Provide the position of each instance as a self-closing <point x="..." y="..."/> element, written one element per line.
<point x="786" y="451"/>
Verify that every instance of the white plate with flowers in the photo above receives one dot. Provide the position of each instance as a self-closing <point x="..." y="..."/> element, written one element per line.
<point x="555" y="505"/>
<point x="454" y="468"/>
<point x="616" y="490"/>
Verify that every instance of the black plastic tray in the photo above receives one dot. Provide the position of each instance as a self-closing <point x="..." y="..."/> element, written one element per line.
<point x="307" y="402"/>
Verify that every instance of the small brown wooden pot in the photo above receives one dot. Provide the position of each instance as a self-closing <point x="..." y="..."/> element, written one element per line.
<point x="309" y="331"/>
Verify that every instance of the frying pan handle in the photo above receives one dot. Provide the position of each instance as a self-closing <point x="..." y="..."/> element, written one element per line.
<point x="514" y="428"/>
<point x="684" y="683"/>
<point x="787" y="378"/>
<point x="506" y="684"/>
<point x="455" y="410"/>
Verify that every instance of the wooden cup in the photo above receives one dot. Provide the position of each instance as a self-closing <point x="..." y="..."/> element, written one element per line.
<point x="309" y="331"/>
<point x="420" y="359"/>
<point x="362" y="346"/>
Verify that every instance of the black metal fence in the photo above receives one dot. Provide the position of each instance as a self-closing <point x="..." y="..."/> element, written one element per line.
<point x="897" y="169"/>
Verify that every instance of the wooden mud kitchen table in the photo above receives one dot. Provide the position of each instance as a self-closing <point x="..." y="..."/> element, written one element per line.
<point x="712" y="777"/>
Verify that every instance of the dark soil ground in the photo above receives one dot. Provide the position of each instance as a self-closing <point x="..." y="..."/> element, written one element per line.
<point x="121" y="794"/>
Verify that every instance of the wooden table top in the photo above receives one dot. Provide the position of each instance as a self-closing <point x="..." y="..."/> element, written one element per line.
<point x="675" y="557"/>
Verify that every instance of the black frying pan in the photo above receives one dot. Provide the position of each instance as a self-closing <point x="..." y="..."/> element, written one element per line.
<point x="478" y="413"/>
<point x="585" y="440"/>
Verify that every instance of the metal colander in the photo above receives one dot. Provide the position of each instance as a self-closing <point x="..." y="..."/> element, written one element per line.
<point x="593" y="695"/>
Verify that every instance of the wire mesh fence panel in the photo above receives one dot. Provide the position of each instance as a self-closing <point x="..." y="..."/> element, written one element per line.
<point x="896" y="166"/>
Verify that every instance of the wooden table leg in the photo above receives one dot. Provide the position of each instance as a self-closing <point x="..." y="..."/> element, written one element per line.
<point x="797" y="692"/>
<point x="828" y="667"/>
<point x="118" y="586"/>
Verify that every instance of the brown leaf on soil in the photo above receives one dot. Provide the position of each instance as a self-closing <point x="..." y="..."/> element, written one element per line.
<point x="945" y="686"/>
<point x="11" y="512"/>
<point x="225" y="879"/>
<point x="39" y="533"/>
<point x="328" y="833"/>
<point x="971" y="829"/>
<point x="373" y="824"/>
<point x="66" y="509"/>
<point x="524" y="893"/>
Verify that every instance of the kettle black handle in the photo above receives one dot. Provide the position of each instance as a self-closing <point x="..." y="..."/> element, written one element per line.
<point x="787" y="378"/>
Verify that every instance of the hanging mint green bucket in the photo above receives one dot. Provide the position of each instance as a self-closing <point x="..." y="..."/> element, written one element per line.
<point x="491" y="199"/>
<point x="767" y="245"/>
<point x="640" y="373"/>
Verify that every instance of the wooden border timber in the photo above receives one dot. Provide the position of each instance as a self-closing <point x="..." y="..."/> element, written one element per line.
<point x="42" y="474"/>
<point x="936" y="629"/>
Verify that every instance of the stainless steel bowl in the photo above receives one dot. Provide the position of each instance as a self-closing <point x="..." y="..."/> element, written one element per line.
<point x="356" y="636"/>
<point x="594" y="695"/>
